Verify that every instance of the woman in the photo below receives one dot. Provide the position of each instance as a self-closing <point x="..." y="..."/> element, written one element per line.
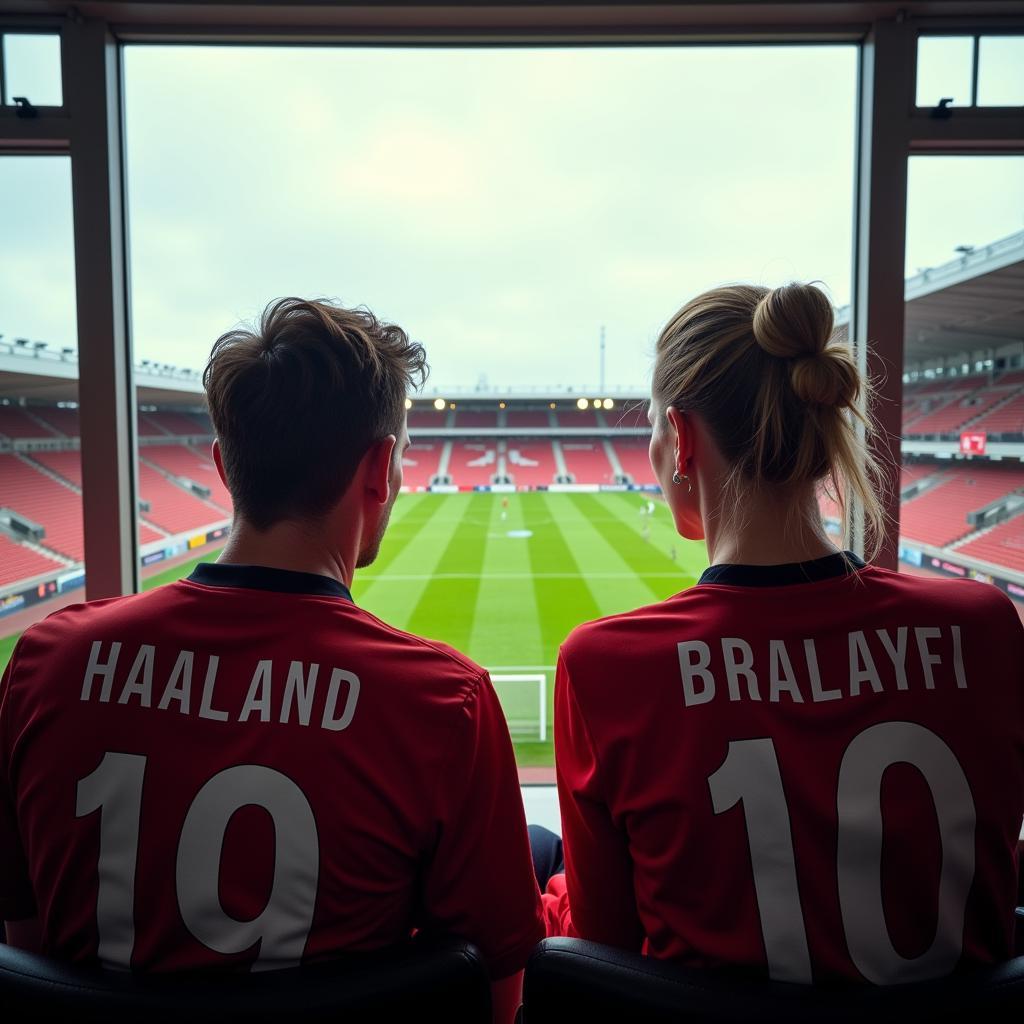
<point x="803" y="763"/>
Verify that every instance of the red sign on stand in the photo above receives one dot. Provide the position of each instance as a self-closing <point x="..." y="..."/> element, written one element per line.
<point x="973" y="442"/>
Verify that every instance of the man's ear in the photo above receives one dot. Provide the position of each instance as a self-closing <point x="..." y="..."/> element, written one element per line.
<point x="376" y="468"/>
<point x="218" y="461"/>
<point x="682" y="428"/>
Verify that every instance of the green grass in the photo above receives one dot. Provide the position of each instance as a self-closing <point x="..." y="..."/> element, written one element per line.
<point x="507" y="592"/>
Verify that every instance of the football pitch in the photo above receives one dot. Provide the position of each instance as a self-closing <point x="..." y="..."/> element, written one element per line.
<point x="506" y="585"/>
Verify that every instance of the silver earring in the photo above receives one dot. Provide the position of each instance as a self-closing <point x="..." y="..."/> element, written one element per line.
<point x="676" y="478"/>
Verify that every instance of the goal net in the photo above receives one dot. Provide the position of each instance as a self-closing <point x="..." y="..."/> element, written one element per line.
<point x="524" y="699"/>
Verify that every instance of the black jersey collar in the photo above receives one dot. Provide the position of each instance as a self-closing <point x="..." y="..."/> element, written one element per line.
<point x="829" y="567"/>
<point x="261" y="577"/>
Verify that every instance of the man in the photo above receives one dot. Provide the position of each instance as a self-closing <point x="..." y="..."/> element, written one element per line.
<point x="244" y="768"/>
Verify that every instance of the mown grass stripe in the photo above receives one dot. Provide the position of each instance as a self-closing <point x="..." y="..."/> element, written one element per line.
<point x="562" y="604"/>
<point x="419" y="510"/>
<point x="506" y="629"/>
<point x="418" y="554"/>
<point x="447" y="607"/>
<point x="591" y="550"/>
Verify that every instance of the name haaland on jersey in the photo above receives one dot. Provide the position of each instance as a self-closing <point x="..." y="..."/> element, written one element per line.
<point x="275" y="693"/>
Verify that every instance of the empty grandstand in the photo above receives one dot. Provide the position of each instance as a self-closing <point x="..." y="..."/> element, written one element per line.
<point x="960" y="515"/>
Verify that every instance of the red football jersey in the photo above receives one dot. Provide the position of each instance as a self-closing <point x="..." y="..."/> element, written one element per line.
<point x="246" y="769"/>
<point x="796" y="767"/>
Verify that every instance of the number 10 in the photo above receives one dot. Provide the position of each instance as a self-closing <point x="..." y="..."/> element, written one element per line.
<point x="750" y="774"/>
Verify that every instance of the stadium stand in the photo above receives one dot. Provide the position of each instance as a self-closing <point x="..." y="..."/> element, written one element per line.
<point x="531" y="463"/>
<point x="175" y="423"/>
<point x="61" y="421"/>
<point x="172" y="508"/>
<point x="67" y="464"/>
<point x="147" y="428"/>
<point x="18" y="562"/>
<point x="475" y="418"/>
<point x="181" y="461"/>
<point x="56" y="507"/>
<point x="419" y="464"/>
<point x="634" y="460"/>
<point x="578" y="418"/>
<point x="1000" y="545"/>
<point x="17" y="423"/>
<point x="958" y="409"/>
<point x="911" y="473"/>
<point x="1006" y="419"/>
<point x="587" y="462"/>
<point x="518" y="418"/>
<point x="473" y="463"/>
<point x="427" y="419"/>
<point x="939" y="515"/>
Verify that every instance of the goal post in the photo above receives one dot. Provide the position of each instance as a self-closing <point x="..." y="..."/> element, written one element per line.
<point x="525" y="711"/>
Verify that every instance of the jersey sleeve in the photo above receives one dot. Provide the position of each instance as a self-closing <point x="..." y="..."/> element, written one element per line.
<point x="480" y="883"/>
<point x="599" y="902"/>
<point x="16" y="897"/>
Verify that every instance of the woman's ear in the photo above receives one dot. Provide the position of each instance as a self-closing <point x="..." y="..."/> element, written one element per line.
<point x="682" y="431"/>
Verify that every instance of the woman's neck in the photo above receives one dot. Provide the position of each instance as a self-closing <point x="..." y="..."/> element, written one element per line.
<point x="768" y="531"/>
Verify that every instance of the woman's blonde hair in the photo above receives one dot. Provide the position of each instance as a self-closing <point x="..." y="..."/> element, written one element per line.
<point x="779" y="393"/>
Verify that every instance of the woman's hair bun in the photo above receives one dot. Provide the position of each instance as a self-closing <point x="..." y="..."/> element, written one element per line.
<point x="796" y="322"/>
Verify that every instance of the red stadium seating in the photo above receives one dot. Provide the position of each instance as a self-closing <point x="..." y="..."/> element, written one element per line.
<point x="61" y="421"/>
<point x="186" y="462"/>
<point x="542" y="456"/>
<point x="587" y="461"/>
<point x="427" y="419"/>
<point x="18" y="562"/>
<point x="476" y="418"/>
<point x="1013" y="377"/>
<point x="55" y="507"/>
<point x="1002" y="545"/>
<point x="939" y="516"/>
<point x="419" y="464"/>
<point x="464" y="454"/>
<point x="176" y="423"/>
<point x="1008" y="419"/>
<point x="528" y="418"/>
<point x="957" y="412"/>
<point x="172" y="508"/>
<point x="15" y="423"/>
<point x="635" y="460"/>
<point x="578" y="418"/>
<point x="911" y="473"/>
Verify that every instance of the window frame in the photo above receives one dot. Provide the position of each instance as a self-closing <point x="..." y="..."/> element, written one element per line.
<point x="90" y="126"/>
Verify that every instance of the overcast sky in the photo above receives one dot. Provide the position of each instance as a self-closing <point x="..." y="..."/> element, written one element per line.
<point x="501" y="205"/>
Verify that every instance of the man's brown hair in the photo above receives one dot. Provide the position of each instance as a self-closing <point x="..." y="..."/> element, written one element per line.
<point x="297" y="402"/>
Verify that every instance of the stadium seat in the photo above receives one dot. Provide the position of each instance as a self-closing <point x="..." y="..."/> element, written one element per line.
<point x="569" y="979"/>
<point x="441" y="981"/>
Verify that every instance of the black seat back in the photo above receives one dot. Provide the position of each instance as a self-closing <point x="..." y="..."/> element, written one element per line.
<point x="443" y="981"/>
<point x="569" y="979"/>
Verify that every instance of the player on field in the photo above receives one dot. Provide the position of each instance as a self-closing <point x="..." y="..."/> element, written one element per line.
<point x="803" y="764"/>
<point x="246" y="769"/>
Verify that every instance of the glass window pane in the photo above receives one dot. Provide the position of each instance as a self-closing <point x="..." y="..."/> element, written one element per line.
<point x="32" y="68"/>
<point x="944" y="65"/>
<point x="509" y="233"/>
<point x="1001" y="71"/>
<point x="963" y="396"/>
<point x="41" y="542"/>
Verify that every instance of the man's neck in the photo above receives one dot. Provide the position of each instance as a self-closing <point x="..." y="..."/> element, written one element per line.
<point x="298" y="547"/>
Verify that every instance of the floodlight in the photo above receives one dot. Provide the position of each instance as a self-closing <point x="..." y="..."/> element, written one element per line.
<point x="451" y="405"/>
<point x="408" y="403"/>
<point x="582" y="403"/>
<point x="551" y="405"/>
<point x="501" y="405"/>
<point x="439" y="404"/>
<point x="608" y="403"/>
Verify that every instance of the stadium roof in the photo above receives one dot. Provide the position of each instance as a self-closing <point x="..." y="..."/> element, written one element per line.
<point x="970" y="304"/>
